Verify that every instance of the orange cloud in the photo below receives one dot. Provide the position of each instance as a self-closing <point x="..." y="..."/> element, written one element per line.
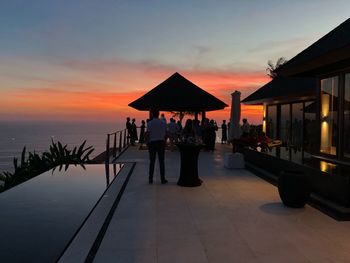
<point x="65" y="104"/>
<point x="102" y="90"/>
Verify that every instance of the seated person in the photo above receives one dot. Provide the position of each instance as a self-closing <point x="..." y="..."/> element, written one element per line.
<point x="244" y="141"/>
<point x="266" y="142"/>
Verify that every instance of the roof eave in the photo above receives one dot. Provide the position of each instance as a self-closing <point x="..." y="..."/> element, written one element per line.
<point x="314" y="66"/>
<point x="166" y="108"/>
<point x="278" y="100"/>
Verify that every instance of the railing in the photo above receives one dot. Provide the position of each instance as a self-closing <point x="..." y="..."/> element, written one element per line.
<point x="123" y="141"/>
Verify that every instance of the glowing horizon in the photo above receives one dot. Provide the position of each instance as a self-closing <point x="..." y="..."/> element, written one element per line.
<point x="81" y="99"/>
<point x="84" y="60"/>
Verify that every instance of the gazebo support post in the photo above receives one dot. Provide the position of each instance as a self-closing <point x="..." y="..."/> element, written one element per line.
<point x="196" y="116"/>
<point x="203" y="116"/>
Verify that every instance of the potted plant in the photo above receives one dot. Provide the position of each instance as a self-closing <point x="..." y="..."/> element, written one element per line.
<point x="294" y="188"/>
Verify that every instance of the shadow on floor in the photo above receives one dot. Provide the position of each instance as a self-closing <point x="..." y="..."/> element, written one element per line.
<point x="277" y="208"/>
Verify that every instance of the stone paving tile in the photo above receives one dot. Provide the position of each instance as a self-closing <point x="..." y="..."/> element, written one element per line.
<point x="234" y="216"/>
<point x="181" y="250"/>
<point x="226" y="245"/>
<point x="132" y="239"/>
<point x="270" y="245"/>
<point x="113" y="255"/>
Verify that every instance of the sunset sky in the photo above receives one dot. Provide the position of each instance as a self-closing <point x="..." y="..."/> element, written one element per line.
<point x="86" y="60"/>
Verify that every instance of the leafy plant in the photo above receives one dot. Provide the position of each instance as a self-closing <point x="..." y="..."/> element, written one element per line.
<point x="182" y="114"/>
<point x="57" y="156"/>
<point x="272" y="68"/>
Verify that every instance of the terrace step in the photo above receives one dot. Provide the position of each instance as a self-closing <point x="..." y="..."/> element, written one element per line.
<point x="85" y="243"/>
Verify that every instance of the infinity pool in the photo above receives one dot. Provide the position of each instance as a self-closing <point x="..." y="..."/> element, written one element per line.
<point x="39" y="217"/>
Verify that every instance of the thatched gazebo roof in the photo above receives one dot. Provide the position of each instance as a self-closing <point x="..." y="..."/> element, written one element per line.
<point x="178" y="94"/>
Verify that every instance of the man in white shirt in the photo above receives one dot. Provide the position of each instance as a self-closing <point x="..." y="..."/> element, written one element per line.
<point x="156" y="131"/>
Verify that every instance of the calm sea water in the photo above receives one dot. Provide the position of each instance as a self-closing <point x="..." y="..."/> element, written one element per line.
<point x="37" y="136"/>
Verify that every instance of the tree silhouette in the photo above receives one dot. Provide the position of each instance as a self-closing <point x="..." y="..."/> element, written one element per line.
<point x="272" y="68"/>
<point x="181" y="114"/>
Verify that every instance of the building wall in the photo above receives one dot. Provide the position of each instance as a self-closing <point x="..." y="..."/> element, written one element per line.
<point x="334" y="100"/>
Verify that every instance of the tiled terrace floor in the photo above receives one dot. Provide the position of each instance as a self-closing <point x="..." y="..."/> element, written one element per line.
<point x="233" y="217"/>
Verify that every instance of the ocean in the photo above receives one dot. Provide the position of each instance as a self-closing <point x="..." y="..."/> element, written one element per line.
<point x="37" y="136"/>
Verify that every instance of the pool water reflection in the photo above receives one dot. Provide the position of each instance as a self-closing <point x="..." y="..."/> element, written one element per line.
<point x="39" y="217"/>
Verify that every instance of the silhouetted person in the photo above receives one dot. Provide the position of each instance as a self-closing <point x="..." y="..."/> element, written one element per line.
<point x="197" y="129"/>
<point x="245" y="128"/>
<point x="205" y="133"/>
<point x="156" y="132"/>
<point x="142" y="132"/>
<point x="228" y="127"/>
<point x="212" y="128"/>
<point x="264" y="141"/>
<point x="133" y="131"/>
<point x="129" y="129"/>
<point x="162" y="117"/>
<point x="223" y="132"/>
<point x="173" y="129"/>
<point x="188" y="130"/>
<point x="179" y="129"/>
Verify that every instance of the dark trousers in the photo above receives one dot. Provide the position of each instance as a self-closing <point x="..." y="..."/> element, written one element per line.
<point x="156" y="147"/>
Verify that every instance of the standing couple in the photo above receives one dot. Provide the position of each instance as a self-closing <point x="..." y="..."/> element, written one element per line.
<point x="156" y="134"/>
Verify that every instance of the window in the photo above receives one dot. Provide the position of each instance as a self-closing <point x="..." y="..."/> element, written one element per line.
<point x="297" y="132"/>
<point x="271" y="126"/>
<point x="285" y="124"/>
<point x="297" y="124"/>
<point x="329" y="115"/>
<point x="310" y="129"/>
<point x="346" y="138"/>
<point x="297" y="129"/>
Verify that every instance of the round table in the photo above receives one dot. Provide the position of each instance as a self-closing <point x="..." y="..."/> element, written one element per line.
<point x="189" y="164"/>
